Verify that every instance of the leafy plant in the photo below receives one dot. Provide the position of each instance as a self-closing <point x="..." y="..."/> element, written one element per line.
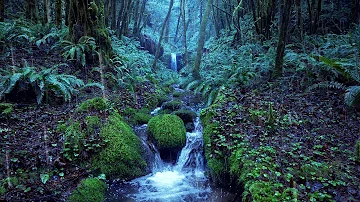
<point x="42" y="82"/>
<point x="77" y="51"/>
<point x="349" y="71"/>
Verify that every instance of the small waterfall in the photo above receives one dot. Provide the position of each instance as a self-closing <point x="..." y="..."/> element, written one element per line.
<point x="183" y="182"/>
<point x="173" y="62"/>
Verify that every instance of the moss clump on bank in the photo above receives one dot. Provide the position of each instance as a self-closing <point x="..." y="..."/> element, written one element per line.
<point x="97" y="103"/>
<point x="89" y="190"/>
<point x="172" y="105"/>
<point x="168" y="131"/>
<point x="122" y="156"/>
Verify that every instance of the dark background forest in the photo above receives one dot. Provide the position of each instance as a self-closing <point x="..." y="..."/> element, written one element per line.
<point x="278" y="82"/>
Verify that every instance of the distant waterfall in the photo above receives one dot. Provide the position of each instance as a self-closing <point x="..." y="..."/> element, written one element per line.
<point x="173" y="62"/>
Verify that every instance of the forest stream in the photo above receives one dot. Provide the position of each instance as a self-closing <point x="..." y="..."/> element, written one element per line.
<point x="183" y="181"/>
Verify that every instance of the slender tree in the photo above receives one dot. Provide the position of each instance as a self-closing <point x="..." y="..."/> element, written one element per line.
<point x="86" y="18"/>
<point x="31" y="11"/>
<point x="2" y="10"/>
<point x="183" y="16"/>
<point x="157" y="53"/>
<point x="314" y="8"/>
<point x="113" y="14"/>
<point x="58" y="11"/>
<point x="279" y="60"/>
<point x="196" y="70"/>
<point x="46" y="9"/>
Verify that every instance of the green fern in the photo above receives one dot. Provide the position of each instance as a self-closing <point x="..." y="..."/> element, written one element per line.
<point x="327" y="84"/>
<point x="42" y="82"/>
<point x="77" y="51"/>
<point x="352" y="96"/>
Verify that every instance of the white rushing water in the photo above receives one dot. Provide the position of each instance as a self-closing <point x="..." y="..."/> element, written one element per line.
<point x="183" y="182"/>
<point x="173" y="62"/>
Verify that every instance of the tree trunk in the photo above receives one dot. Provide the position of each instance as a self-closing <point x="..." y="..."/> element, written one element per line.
<point x="355" y="11"/>
<point x="299" y="21"/>
<point x="58" y="16"/>
<point x="157" y="53"/>
<point x="113" y="14"/>
<point x="314" y="8"/>
<point x="196" y="70"/>
<point x="2" y="10"/>
<point x="183" y="15"/>
<point x="282" y="39"/>
<point x="46" y="17"/>
<point x="87" y="19"/>
<point x="67" y="4"/>
<point x="136" y="18"/>
<point x="167" y="31"/>
<point x="31" y="11"/>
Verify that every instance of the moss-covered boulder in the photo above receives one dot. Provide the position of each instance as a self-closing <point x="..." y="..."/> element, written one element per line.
<point x="172" y="105"/>
<point x="97" y="103"/>
<point x="89" y="190"/>
<point x="122" y="156"/>
<point x="142" y="118"/>
<point x="169" y="134"/>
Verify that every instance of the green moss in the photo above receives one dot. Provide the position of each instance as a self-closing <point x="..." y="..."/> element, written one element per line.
<point x="89" y="190"/>
<point x="151" y="100"/>
<point x="142" y="118"/>
<point x="97" y="103"/>
<point x="168" y="131"/>
<point x="357" y="151"/>
<point x="186" y="115"/>
<point x="178" y="94"/>
<point x="92" y="123"/>
<point x="6" y="109"/>
<point x="172" y="105"/>
<point x="122" y="156"/>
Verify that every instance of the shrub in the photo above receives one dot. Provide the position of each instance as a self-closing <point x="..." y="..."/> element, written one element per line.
<point x="122" y="156"/>
<point x="6" y="109"/>
<point x="89" y="190"/>
<point x="168" y="131"/>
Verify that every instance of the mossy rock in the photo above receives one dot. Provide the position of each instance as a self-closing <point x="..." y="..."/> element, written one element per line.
<point x="162" y="99"/>
<point x="122" y="156"/>
<point x="186" y="115"/>
<point x="168" y="131"/>
<point x="97" y="103"/>
<point x="89" y="190"/>
<point x="142" y="118"/>
<point x="172" y="105"/>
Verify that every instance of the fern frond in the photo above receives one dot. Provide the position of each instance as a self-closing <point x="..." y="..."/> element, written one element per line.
<point x="94" y="84"/>
<point x="327" y="84"/>
<point x="352" y="96"/>
<point x="212" y="96"/>
<point x="192" y="85"/>
<point x="12" y="82"/>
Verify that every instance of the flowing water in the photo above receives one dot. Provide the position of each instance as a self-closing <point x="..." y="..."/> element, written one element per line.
<point x="184" y="181"/>
<point x="173" y="62"/>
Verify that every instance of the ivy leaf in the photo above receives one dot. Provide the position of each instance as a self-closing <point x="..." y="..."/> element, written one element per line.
<point x="44" y="178"/>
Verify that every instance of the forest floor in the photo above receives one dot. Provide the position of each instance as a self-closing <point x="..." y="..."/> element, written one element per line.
<point x="313" y="134"/>
<point x="307" y="138"/>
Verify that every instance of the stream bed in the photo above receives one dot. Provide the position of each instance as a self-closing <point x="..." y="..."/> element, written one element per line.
<point x="183" y="181"/>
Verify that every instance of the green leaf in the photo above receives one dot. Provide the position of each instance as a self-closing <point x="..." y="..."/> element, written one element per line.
<point x="13" y="80"/>
<point x="44" y="178"/>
